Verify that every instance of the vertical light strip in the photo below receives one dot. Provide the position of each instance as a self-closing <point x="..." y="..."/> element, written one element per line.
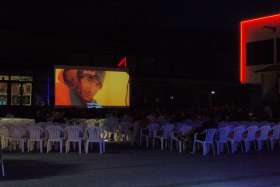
<point x="242" y="51"/>
<point x="49" y="91"/>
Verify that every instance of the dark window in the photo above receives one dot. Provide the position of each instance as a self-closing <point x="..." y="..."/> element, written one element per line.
<point x="278" y="49"/>
<point x="260" y="52"/>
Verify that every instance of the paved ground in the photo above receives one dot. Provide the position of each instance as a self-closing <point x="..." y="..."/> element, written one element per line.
<point x="142" y="168"/>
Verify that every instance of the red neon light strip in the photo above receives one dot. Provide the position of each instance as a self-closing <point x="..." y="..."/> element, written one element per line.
<point x="244" y="25"/>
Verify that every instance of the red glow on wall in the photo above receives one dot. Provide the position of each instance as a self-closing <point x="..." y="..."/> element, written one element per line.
<point x="122" y="63"/>
<point x="244" y="26"/>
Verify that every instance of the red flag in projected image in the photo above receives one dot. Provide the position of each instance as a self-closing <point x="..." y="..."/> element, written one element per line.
<point x="122" y="63"/>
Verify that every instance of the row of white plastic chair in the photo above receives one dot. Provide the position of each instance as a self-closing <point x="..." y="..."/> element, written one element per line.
<point x="246" y="123"/>
<point x="167" y="135"/>
<point x="240" y="136"/>
<point x="15" y="135"/>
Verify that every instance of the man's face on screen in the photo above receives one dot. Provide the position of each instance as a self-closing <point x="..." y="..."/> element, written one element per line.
<point x="89" y="86"/>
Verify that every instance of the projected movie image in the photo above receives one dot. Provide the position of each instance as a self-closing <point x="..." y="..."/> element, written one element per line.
<point x="91" y="87"/>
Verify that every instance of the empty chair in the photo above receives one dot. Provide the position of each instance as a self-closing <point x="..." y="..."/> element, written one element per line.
<point x="167" y="131"/>
<point x="4" y="134"/>
<point x="182" y="130"/>
<point x="149" y="133"/>
<point x="237" y="138"/>
<point x="73" y="134"/>
<point x="55" y="135"/>
<point x="222" y="139"/>
<point x="35" y="135"/>
<point x="17" y="136"/>
<point x="207" y="142"/>
<point x="124" y="133"/>
<point x="250" y="137"/>
<point x="110" y="126"/>
<point x="263" y="136"/>
<point x="275" y="136"/>
<point x="94" y="135"/>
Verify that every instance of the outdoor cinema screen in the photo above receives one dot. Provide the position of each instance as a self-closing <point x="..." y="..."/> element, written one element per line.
<point x="91" y="87"/>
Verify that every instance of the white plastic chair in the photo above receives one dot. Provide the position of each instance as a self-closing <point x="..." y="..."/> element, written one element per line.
<point x="151" y="131"/>
<point x="167" y="132"/>
<point x="110" y="125"/>
<point x="275" y="136"/>
<point x="55" y="134"/>
<point x="73" y="134"/>
<point x="238" y="133"/>
<point x="17" y="136"/>
<point x="94" y="135"/>
<point x="251" y="137"/>
<point x="222" y="138"/>
<point x="182" y="129"/>
<point x="35" y="135"/>
<point x="264" y="131"/>
<point x="124" y="133"/>
<point x="207" y="142"/>
<point x="4" y="134"/>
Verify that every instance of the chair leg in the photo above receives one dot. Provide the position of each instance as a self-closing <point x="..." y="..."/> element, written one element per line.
<point x="194" y="148"/>
<point x="246" y="145"/>
<point x="80" y="147"/>
<point x="41" y="146"/>
<point x="3" y="168"/>
<point x="161" y="143"/>
<point x="205" y="150"/>
<point x="86" y="144"/>
<point x="60" y="145"/>
<point x="48" y="146"/>
<point x="67" y="144"/>
<point x="103" y="146"/>
<point x="180" y="146"/>
<point x="242" y="147"/>
<point x="100" y="147"/>
<point x="22" y="146"/>
<point x="183" y="145"/>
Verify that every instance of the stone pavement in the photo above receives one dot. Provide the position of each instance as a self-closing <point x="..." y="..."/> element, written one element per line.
<point x="142" y="168"/>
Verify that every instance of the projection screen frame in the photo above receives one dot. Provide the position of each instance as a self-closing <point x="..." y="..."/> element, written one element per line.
<point x="126" y="70"/>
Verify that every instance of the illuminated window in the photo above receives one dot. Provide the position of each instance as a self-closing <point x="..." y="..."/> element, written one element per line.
<point x="3" y="93"/>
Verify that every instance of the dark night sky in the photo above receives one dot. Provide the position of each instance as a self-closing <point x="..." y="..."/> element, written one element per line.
<point x="187" y="34"/>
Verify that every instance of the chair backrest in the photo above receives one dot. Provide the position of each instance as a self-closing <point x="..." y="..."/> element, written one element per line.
<point x="223" y="133"/>
<point x="35" y="132"/>
<point x="210" y="135"/>
<point x="4" y="131"/>
<point x="183" y="128"/>
<point x="54" y="132"/>
<point x="91" y="122"/>
<point x="152" y="127"/>
<point x="94" y="133"/>
<point x="73" y="132"/>
<point x="252" y="130"/>
<point x="264" y="131"/>
<point x="276" y="132"/>
<point x="238" y="133"/>
<point x="167" y="129"/>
